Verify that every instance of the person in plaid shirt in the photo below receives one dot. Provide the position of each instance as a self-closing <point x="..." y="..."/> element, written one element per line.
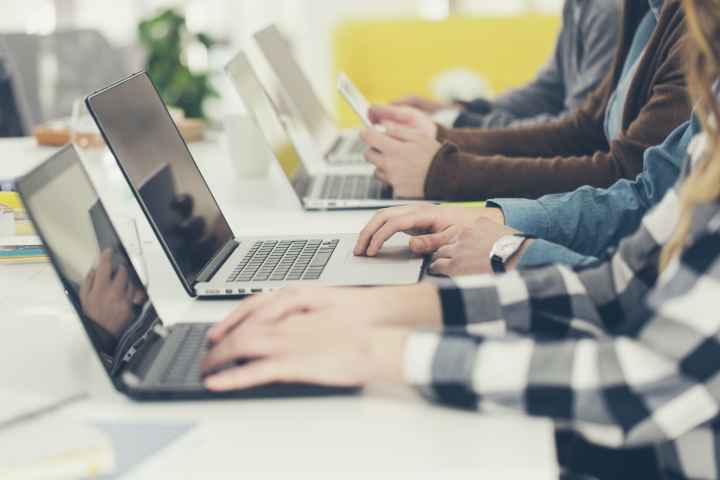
<point x="625" y="352"/>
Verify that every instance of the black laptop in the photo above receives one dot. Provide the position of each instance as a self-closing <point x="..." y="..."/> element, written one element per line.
<point x="144" y="358"/>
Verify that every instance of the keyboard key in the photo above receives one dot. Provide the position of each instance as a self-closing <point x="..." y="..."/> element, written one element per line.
<point x="284" y="260"/>
<point x="321" y="259"/>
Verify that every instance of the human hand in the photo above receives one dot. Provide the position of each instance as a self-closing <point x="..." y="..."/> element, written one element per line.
<point x="402" y="158"/>
<point x="423" y="104"/>
<point x="302" y="349"/>
<point x="108" y="299"/>
<point x="407" y="117"/>
<point x="319" y="336"/>
<point x="468" y="252"/>
<point x="431" y="225"/>
<point x="371" y="306"/>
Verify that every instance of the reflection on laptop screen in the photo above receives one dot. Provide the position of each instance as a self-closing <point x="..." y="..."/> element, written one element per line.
<point x="92" y="263"/>
<point x="261" y="107"/>
<point x="161" y="170"/>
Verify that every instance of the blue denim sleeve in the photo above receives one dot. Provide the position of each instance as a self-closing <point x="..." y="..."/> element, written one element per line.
<point x="542" y="252"/>
<point x="589" y="221"/>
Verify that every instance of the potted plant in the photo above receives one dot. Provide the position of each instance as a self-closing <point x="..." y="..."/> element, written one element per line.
<point x="165" y="38"/>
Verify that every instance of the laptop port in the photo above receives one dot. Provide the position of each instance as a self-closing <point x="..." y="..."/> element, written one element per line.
<point x="256" y="290"/>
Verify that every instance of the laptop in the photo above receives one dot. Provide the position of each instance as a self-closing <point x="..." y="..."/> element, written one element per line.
<point x="337" y="146"/>
<point x="143" y="358"/>
<point x="327" y="191"/>
<point x="209" y="259"/>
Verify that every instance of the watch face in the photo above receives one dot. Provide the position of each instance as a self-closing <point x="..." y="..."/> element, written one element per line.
<point x="506" y="247"/>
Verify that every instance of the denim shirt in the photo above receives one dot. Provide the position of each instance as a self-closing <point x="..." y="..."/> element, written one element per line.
<point x="584" y="52"/>
<point x="577" y="227"/>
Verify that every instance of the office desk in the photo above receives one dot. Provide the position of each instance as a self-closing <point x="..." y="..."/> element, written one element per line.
<point x="384" y="430"/>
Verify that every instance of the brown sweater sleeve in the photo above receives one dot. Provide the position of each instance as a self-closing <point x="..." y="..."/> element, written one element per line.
<point x="560" y="156"/>
<point x="580" y="133"/>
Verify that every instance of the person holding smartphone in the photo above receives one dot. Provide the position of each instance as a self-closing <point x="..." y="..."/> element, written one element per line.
<point x="583" y="54"/>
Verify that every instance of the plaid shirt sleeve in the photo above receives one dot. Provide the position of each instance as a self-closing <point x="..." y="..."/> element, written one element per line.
<point x="641" y="367"/>
<point x="600" y="299"/>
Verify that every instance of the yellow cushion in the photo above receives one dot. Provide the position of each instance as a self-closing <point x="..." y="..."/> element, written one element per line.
<point x="388" y="59"/>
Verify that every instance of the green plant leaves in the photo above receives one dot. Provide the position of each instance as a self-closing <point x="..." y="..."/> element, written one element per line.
<point x="165" y="38"/>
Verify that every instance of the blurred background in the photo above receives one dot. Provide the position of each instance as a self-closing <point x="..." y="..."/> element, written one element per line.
<point x="53" y="52"/>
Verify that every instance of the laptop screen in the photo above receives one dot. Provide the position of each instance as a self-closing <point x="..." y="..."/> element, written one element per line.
<point x="300" y="92"/>
<point x="162" y="172"/>
<point x="259" y="104"/>
<point x="93" y="266"/>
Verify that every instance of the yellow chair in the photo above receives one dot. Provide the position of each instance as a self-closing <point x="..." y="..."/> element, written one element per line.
<point x="391" y="58"/>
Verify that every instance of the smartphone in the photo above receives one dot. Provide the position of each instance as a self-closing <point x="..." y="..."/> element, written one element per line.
<point x="355" y="99"/>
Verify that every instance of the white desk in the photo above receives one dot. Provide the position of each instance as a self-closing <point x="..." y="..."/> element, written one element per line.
<point x="381" y="431"/>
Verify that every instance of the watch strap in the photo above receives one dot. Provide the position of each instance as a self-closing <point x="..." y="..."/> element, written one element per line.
<point x="498" y="266"/>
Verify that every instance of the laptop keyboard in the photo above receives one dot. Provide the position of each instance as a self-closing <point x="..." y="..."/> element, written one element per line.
<point x="286" y="260"/>
<point x="347" y="159"/>
<point x="189" y="344"/>
<point x="358" y="147"/>
<point x="353" y="187"/>
<point x="350" y="156"/>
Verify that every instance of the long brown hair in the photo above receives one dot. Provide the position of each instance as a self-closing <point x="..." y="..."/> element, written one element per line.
<point x="703" y="185"/>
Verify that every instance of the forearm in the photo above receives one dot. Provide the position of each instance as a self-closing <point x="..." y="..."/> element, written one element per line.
<point x="459" y="176"/>
<point x="578" y="227"/>
<point x="414" y="306"/>
<point x="542" y="252"/>
<point x="536" y="222"/>
<point x="516" y="302"/>
<point x="576" y="134"/>
<point x="503" y="119"/>
<point x="541" y="378"/>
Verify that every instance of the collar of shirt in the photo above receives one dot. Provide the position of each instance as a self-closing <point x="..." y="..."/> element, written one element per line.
<point x="656" y="6"/>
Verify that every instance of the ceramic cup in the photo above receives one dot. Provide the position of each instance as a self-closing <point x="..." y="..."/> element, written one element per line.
<point x="246" y="147"/>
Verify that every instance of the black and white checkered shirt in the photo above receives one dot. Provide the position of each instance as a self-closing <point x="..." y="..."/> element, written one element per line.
<point x="616" y="352"/>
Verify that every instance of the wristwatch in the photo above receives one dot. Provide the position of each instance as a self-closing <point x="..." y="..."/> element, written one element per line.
<point x="505" y="249"/>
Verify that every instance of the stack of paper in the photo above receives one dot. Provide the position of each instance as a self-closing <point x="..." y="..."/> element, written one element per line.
<point x="21" y="249"/>
<point x="37" y="442"/>
<point x="18" y="244"/>
<point x="55" y="449"/>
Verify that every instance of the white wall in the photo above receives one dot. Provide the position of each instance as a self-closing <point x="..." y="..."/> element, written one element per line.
<point x="308" y="22"/>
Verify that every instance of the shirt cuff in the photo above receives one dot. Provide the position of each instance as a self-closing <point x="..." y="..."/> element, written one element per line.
<point x="420" y="349"/>
<point x="471" y="301"/>
<point x="464" y="371"/>
<point x="542" y="252"/>
<point x="440" y="366"/>
<point x="527" y="216"/>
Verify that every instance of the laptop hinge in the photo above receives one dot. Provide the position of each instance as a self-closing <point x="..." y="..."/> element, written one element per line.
<point x="303" y="184"/>
<point x="217" y="261"/>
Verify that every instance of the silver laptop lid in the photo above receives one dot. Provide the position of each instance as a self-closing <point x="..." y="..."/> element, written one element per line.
<point x="163" y="175"/>
<point x="297" y="87"/>
<point x="261" y="108"/>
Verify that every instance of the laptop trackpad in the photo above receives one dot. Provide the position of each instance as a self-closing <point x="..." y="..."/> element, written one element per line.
<point x="396" y="250"/>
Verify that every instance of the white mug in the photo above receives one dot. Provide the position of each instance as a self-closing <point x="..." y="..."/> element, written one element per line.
<point x="246" y="147"/>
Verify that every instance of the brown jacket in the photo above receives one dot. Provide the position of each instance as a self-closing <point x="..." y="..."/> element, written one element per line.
<point x="564" y="155"/>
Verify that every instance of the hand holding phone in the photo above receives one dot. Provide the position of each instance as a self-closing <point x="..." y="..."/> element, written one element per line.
<point x="356" y="100"/>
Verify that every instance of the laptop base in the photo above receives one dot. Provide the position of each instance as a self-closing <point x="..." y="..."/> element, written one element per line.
<point x="278" y="390"/>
